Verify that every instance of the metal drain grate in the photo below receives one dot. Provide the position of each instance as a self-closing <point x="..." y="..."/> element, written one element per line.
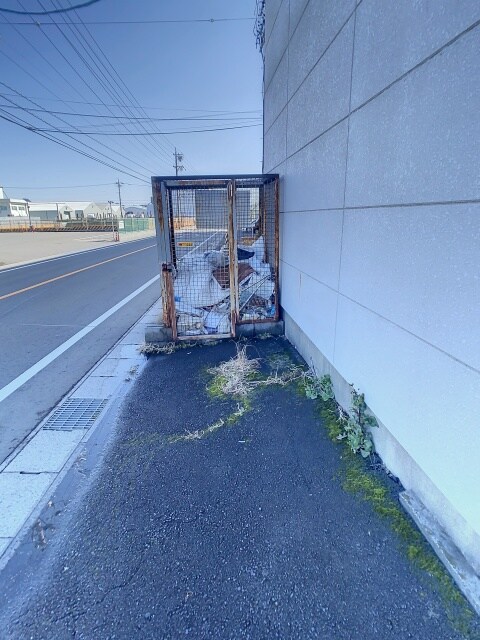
<point x="75" y="413"/>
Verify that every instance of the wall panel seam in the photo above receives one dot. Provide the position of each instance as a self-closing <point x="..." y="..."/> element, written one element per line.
<point x="385" y="319"/>
<point x="401" y="205"/>
<point x="389" y="86"/>
<point x="274" y="23"/>
<point x="345" y="181"/>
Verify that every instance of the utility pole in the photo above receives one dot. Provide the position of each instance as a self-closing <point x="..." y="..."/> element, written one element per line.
<point x="30" y="228"/>
<point x="119" y="184"/>
<point x="116" y="236"/>
<point x="178" y="155"/>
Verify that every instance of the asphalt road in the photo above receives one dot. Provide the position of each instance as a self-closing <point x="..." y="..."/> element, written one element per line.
<point x="243" y="534"/>
<point x="44" y="304"/>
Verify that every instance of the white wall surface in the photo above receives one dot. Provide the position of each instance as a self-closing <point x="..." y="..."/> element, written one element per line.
<point x="371" y="119"/>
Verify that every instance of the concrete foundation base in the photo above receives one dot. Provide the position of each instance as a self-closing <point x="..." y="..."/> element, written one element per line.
<point x="460" y="570"/>
<point x="159" y="334"/>
<point x="260" y="328"/>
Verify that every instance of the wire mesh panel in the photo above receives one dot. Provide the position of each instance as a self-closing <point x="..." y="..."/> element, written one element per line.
<point x="218" y="246"/>
<point x="199" y="219"/>
<point x="256" y="236"/>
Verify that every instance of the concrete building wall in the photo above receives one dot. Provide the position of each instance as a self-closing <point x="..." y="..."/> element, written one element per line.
<point x="371" y="120"/>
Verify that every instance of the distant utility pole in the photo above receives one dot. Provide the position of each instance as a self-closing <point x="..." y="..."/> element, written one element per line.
<point x="178" y="155"/>
<point x="119" y="184"/>
<point x="116" y="237"/>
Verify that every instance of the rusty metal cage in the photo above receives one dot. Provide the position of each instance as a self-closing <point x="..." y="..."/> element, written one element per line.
<point x="218" y="248"/>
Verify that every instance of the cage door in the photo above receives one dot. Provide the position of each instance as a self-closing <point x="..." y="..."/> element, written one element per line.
<point x="203" y="259"/>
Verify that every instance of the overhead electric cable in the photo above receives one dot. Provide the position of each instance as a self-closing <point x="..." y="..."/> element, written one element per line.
<point x="40" y="54"/>
<point x="68" y="146"/>
<point x="113" y="90"/>
<point x="120" y="22"/>
<point x="127" y="91"/>
<point x="82" y="5"/>
<point x="68" y="134"/>
<point x="149" y="133"/>
<point x="75" y="186"/>
<point x="16" y="93"/>
<point x="216" y="111"/>
<point x="89" y="87"/>
<point x="105" y="82"/>
<point x="148" y="119"/>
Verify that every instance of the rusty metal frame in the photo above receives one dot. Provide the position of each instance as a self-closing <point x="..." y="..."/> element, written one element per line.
<point x="162" y="198"/>
<point x="233" y="259"/>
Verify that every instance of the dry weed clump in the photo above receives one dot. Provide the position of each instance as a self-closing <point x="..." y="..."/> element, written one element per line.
<point x="233" y="375"/>
<point x="237" y="376"/>
<point x="150" y="348"/>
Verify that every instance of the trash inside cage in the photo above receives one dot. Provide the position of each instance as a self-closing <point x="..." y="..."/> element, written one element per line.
<point x="218" y="250"/>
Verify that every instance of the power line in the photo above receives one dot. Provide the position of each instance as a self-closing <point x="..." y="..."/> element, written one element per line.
<point x="55" y="68"/>
<point x="102" y="144"/>
<point x="69" y="134"/>
<point x="77" y="186"/>
<point x="40" y="54"/>
<point x="120" y="22"/>
<point x="46" y="13"/>
<point x="83" y="80"/>
<point x="216" y="111"/>
<point x="67" y="146"/>
<point x="103" y="82"/>
<point x="126" y="89"/>
<point x="147" y="133"/>
<point x="122" y="86"/>
<point x="61" y="120"/>
<point x="89" y="87"/>
<point x="148" y="119"/>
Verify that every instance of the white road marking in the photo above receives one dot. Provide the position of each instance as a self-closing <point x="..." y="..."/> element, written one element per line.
<point x="24" y="377"/>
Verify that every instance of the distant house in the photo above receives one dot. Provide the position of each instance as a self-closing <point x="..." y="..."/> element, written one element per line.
<point x="12" y="207"/>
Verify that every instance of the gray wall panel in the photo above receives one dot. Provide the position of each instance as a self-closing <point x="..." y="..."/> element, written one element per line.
<point x="392" y="37"/>
<point x="323" y="98"/>
<point x="319" y="25"/>
<point x="418" y="141"/>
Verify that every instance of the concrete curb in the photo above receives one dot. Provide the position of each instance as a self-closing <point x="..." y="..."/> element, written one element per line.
<point x="454" y="561"/>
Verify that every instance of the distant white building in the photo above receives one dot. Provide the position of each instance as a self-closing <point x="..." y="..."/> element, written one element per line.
<point x="72" y="210"/>
<point x="136" y="211"/>
<point x="12" y="207"/>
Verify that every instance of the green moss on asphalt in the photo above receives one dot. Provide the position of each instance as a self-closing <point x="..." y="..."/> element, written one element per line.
<point x="368" y="486"/>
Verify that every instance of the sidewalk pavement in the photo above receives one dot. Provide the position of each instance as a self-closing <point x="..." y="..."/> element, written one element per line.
<point x="22" y="248"/>
<point x="206" y="521"/>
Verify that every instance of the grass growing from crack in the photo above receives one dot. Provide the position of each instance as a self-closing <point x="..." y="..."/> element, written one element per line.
<point x="152" y="348"/>
<point x="358" y="480"/>
<point x="199" y="434"/>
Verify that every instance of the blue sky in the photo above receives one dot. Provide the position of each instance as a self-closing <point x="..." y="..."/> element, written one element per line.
<point x="174" y="70"/>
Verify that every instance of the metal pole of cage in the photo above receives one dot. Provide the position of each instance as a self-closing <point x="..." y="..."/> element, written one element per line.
<point x="233" y="258"/>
